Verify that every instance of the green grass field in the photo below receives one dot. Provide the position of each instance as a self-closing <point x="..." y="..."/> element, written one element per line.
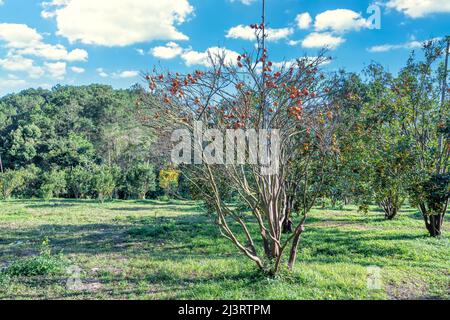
<point x="160" y="250"/>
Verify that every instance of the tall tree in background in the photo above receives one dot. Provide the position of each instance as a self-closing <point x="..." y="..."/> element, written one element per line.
<point x="389" y="156"/>
<point x="422" y="93"/>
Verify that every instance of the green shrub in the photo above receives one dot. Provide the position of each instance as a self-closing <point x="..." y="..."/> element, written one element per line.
<point x="36" y="266"/>
<point x="168" y="180"/>
<point x="54" y="184"/>
<point x="32" y="182"/>
<point x="4" y="279"/>
<point x="80" y="182"/>
<point x="163" y="198"/>
<point x="10" y="181"/>
<point x="140" y="179"/>
<point x="42" y="265"/>
<point x="104" y="182"/>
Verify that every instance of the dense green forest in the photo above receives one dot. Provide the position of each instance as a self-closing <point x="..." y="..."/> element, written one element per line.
<point x="81" y="142"/>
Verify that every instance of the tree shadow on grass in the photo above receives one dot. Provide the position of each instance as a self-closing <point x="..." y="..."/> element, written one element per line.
<point x="167" y="208"/>
<point x="186" y="234"/>
<point x="158" y="283"/>
<point x="349" y="220"/>
<point x="50" y="205"/>
<point x="332" y="209"/>
<point x="62" y="201"/>
<point x="333" y="245"/>
<point x="180" y="238"/>
<point x="132" y="235"/>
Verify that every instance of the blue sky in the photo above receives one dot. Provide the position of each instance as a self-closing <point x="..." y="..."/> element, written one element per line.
<point x="77" y="42"/>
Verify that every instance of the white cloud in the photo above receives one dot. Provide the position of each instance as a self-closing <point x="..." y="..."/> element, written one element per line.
<point x="2" y="2"/>
<point x="303" y="20"/>
<point x="294" y="42"/>
<point x="169" y="51"/>
<point x="19" y="35"/>
<point x="290" y="63"/>
<point x="322" y="40"/>
<point x="247" y="33"/>
<point x="77" y="55"/>
<point x="20" y="39"/>
<point x="141" y="52"/>
<point x="118" y="22"/>
<point x="329" y="26"/>
<point x="126" y="74"/>
<point x="191" y="57"/>
<point x="420" y="8"/>
<point x="7" y="85"/>
<point x="413" y="44"/>
<point x="102" y="73"/>
<point x="340" y="20"/>
<point x="122" y="74"/>
<point x="19" y="63"/>
<point x="16" y="63"/>
<point x="55" y="52"/>
<point x="390" y="47"/>
<point x="246" y="2"/>
<point x="56" y="70"/>
<point x="77" y="70"/>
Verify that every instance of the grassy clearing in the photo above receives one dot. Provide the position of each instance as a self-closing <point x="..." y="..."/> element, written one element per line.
<point x="159" y="250"/>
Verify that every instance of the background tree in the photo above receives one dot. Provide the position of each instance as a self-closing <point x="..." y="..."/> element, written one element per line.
<point x="10" y="181"/>
<point x="104" y="182"/>
<point x="168" y="180"/>
<point x="72" y="129"/>
<point x="54" y="184"/>
<point x="422" y="93"/>
<point x="140" y="179"/>
<point x="389" y="154"/>
<point x="80" y="182"/>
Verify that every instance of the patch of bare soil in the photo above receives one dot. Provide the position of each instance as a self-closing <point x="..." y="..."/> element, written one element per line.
<point x="410" y="289"/>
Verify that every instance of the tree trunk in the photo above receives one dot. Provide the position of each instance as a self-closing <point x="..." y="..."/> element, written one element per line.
<point x="433" y="221"/>
<point x="433" y="225"/>
<point x="390" y="207"/>
<point x="266" y="245"/>
<point x="391" y="214"/>
<point x="1" y="163"/>
<point x="287" y="225"/>
<point x="294" y="247"/>
<point x="333" y="202"/>
<point x="287" y="221"/>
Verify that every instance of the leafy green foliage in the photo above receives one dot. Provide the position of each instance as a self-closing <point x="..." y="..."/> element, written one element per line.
<point x="11" y="181"/>
<point x="44" y="264"/>
<point x="104" y="182"/>
<point x="75" y="130"/>
<point x="54" y="184"/>
<point x="80" y="182"/>
<point x="168" y="180"/>
<point x="22" y="144"/>
<point x="140" y="179"/>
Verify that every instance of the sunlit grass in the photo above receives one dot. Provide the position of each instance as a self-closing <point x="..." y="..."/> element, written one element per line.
<point x="161" y="250"/>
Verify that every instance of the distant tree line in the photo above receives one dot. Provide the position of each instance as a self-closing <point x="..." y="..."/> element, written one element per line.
<point x="77" y="142"/>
